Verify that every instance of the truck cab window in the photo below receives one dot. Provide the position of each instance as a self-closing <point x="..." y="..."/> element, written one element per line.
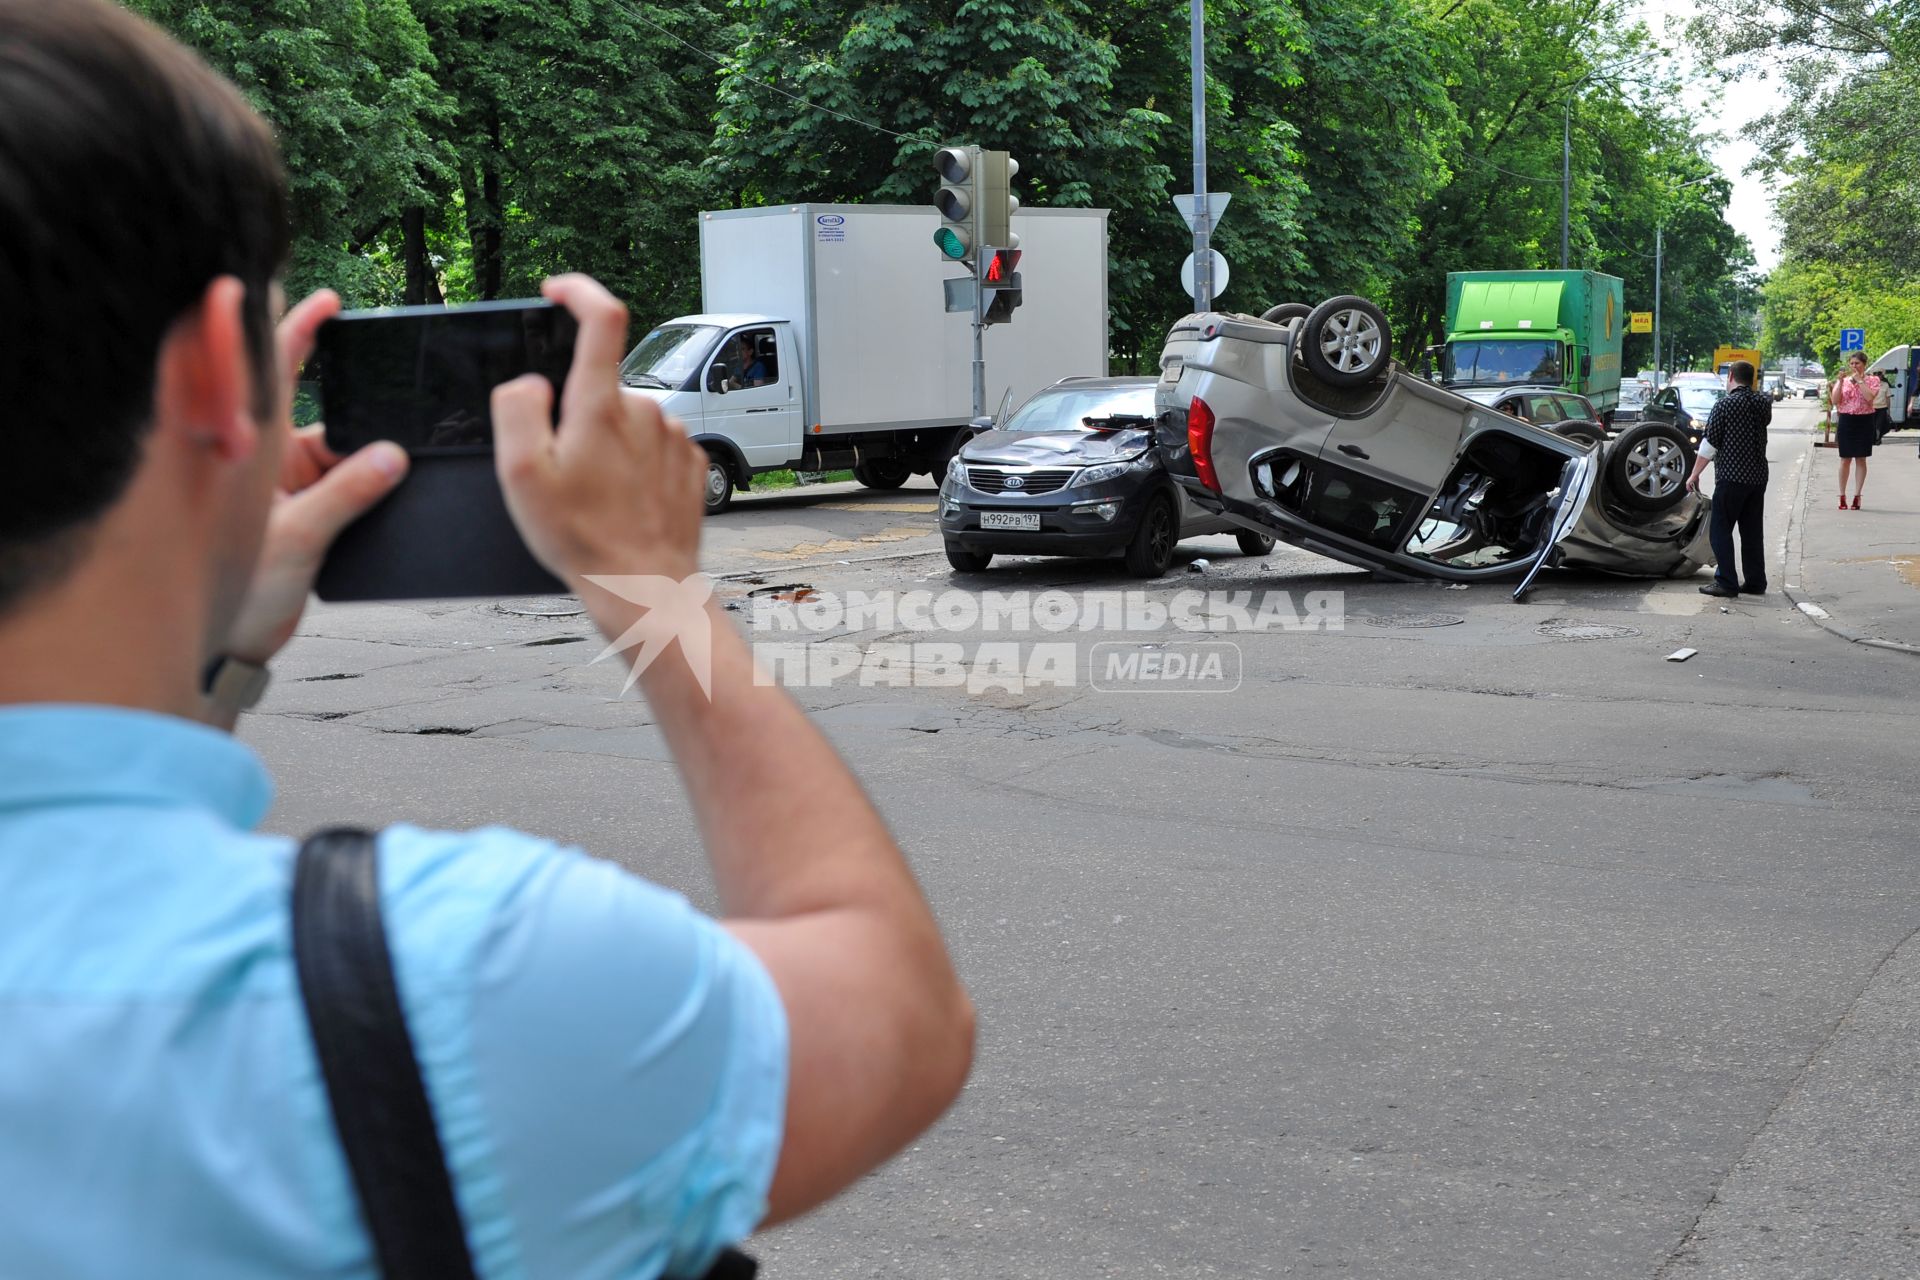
<point x="752" y="358"/>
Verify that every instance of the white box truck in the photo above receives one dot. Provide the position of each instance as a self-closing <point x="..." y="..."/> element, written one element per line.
<point x="826" y="342"/>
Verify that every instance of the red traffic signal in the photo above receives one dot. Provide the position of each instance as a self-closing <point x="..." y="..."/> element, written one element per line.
<point x="999" y="268"/>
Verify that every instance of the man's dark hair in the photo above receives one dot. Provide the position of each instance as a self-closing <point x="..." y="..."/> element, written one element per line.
<point x="1742" y="371"/>
<point x="131" y="177"/>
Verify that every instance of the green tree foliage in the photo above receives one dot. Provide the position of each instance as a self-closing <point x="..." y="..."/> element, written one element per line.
<point x="1845" y="147"/>
<point x="467" y="148"/>
<point x="1523" y="78"/>
<point x="577" y="132"/>
<point x="801" y="98"/>
<point x="349" y="86"/>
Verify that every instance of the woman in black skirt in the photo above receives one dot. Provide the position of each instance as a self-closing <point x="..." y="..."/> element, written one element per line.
<point x="1852" y="398"/>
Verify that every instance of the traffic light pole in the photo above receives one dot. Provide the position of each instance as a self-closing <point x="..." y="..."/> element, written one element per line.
<point x="983" y="256"/>
<point x="1202" y="224"/>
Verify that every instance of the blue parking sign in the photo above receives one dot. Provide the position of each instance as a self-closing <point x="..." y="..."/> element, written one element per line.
<point x="1853" y="339"/>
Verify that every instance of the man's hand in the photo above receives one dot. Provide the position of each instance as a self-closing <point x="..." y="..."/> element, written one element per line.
<point x="1699" y="468"/>
<point x="319" y="495"/>
<point x="617" y="489"/>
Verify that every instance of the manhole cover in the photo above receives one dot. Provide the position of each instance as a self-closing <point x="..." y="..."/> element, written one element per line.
<point x="1410" y="621"/>
<point x="1585" y="631"/>
<point x="542" y="607"/>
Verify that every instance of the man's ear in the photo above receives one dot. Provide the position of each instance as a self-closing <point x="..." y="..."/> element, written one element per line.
<point x="204" y="390"/>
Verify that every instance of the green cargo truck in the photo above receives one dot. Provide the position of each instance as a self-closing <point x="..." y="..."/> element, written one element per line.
<point x="1553" y="328"/>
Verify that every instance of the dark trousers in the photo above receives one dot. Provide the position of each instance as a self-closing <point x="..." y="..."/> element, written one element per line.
<point x="1739" y="506"/>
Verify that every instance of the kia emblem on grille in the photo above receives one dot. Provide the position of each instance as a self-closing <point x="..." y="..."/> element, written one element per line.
<point x="1016" y="482"/>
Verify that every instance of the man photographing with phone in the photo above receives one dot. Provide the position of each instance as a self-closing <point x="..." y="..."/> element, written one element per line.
<point x="620" y="1085"/>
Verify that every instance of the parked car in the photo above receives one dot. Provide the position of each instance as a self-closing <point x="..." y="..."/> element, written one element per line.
<point x="1686" y="406"/>
<point x="1561" y="412"/>
<point x="1805" y="388"/>
<point x="1634" y="394"/>
<point x="1774" y="383"/>
<point x="1307" y="430"/>
<point x="1073" y="473"/>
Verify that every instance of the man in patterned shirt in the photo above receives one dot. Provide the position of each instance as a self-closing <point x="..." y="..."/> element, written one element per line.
<point x="1737" y="443"/>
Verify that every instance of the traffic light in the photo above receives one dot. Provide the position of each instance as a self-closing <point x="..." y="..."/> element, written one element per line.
<point x="997" y="202"/>
<point x="958" y="202"/>
<point x="1001" y="283"/>
<point x="976" y="201"/>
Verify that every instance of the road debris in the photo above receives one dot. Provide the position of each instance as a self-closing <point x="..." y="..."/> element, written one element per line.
<point x="1681" y="655"/>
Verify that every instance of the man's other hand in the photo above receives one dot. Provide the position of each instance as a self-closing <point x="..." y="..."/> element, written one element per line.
<point x="319" y="495"/>
<point x="617" y="488"/>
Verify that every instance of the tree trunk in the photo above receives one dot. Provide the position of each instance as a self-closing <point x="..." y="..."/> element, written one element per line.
<point x="423" y="283"/>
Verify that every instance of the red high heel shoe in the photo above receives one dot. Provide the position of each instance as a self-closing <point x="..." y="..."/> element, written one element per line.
<point x="1856" y="502"/>
<point x="1843" y="502"/>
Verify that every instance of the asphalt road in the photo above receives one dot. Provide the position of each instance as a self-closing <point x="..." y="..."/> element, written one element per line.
<point x="1441" y="945"/>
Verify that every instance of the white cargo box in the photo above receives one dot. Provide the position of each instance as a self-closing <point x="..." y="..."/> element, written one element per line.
<point x="862" y="286"/>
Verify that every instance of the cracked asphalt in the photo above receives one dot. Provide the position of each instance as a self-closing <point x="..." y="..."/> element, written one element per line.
<point x="1440" y="946"/>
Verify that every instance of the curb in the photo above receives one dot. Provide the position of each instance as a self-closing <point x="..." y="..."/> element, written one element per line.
<point x="1794" y="561"/>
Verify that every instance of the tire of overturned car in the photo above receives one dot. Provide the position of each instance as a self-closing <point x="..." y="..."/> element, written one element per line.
<point x="1346" y="342"/>
<point x="1286" y="313"/>
<point x="1647" y="465"/>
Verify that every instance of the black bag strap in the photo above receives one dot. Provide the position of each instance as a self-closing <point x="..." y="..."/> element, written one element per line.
<point x="379" y="1102"/>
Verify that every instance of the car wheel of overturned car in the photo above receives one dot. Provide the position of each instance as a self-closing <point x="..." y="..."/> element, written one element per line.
<point x="719" y="492"/>
<point x="1253" y="544"/>
<point x="1286" y="313"/>
<point x="967" y="561"/>
<point x="881" y="473"/>
<point x="1647" y="467"/>
<point x="1585" y="436"/>
<point x="1345" y="342"/>
<point x="1150" y="553"/>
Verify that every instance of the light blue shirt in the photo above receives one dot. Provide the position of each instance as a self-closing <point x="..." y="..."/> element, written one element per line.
<point x="607" y="1065"/>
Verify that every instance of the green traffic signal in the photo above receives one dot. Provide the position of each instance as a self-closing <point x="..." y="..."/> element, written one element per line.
<point x="950" y="243"/>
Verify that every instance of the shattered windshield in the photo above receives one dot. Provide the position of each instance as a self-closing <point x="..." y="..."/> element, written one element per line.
<point x="1490" y="361"/>
<point x="669" y="355"/>
<point x="1084" y="409"/>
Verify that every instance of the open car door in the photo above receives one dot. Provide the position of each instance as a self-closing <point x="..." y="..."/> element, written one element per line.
<point x="1576" y="486"/>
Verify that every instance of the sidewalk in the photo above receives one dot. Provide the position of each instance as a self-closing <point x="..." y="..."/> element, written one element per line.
<point x="1857" y="573"/>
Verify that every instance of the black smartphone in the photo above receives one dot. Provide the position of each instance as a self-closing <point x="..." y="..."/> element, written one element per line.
<point x="423" y="378"/>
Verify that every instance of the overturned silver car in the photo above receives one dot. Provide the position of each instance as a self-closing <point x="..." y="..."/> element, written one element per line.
<point x="1300" y="425"/>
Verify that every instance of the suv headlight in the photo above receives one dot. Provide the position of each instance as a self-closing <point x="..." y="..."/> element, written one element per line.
<point x="1105" y="471"/>
<point x="956" y="470"/>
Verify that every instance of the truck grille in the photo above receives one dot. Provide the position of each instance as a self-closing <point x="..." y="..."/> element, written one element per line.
<point x="996" y="479"/>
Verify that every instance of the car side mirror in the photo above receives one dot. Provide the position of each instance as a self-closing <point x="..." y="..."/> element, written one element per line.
<point x="717" y="379"/>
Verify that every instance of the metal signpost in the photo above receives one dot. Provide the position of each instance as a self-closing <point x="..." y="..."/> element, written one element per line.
<point x="1202" y="209"/>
